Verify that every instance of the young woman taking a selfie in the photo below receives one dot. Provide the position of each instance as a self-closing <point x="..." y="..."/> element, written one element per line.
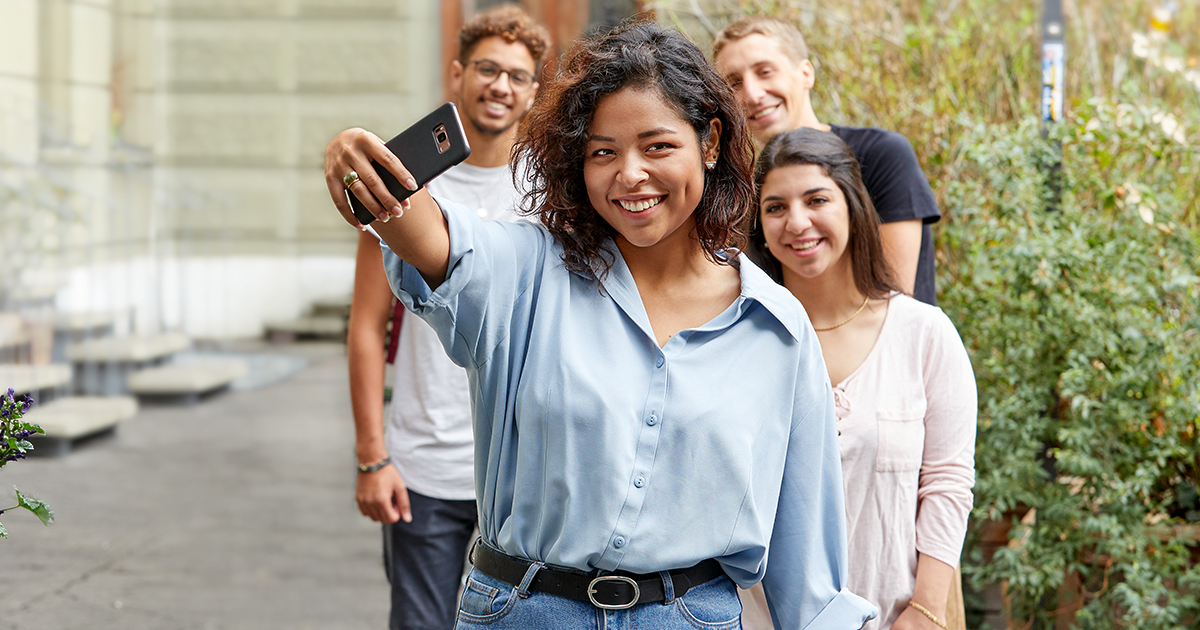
<point x="653" y="422"/>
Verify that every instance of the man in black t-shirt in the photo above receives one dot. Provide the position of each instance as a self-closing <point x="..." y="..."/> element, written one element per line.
<point x="766" y="63"/>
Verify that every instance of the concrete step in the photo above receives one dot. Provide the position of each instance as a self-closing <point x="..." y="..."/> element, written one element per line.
<point x="129" y="349"/>
<point x="340" y="308"/>
<point x="85" y="321"/>
<point x="32" y="379"/>
<point x="332" y="327"/>
<point x="66" y="329"/>
<point x="68" y="420"/>
<point x="190" y="380"/>
<point x="102" y="365"/>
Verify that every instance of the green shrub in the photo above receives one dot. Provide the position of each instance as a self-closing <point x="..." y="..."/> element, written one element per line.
<point x="1084" y="333"/>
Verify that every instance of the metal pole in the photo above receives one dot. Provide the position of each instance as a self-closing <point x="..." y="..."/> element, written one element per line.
<point x="1053" y="90"/>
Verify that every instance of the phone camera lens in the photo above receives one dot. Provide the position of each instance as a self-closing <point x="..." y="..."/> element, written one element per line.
<point x="441" y="137"/>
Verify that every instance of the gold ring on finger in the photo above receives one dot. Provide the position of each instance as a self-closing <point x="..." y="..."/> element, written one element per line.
<point x="350" y="178"/>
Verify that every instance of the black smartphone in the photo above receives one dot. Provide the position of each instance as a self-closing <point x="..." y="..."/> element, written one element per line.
<point x="428" y="148"/>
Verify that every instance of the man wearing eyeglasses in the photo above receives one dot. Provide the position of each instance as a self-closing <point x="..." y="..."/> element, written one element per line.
<point x="418" y="479"/>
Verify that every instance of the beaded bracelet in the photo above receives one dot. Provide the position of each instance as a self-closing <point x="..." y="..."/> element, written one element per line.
<point x="370" y="468"/>
<point x="925" y="611"/>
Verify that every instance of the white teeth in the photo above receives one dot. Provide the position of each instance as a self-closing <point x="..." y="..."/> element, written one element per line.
<point x="494" y="106"/>
<point x="800" y="247"/>
<point x="765" y="112"/>
<point x="640" y="206"/>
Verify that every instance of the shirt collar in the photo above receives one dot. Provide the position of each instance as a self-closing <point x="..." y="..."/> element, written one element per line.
<point x="779" y="302"/>
<point x="756" y="286"/>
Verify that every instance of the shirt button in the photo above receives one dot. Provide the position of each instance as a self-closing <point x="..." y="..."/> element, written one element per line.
<point x="619" y="542"/>
<point x="640" y="481"/>
<point x="652" y="420"/>
<point x="659" y="362"/>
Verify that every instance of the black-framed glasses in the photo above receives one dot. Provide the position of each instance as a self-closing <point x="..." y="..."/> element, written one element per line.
<point x="489" y="71"/>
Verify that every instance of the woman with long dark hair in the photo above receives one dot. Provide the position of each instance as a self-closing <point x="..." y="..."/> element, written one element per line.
<point x="903" y="385"/>
<point x="624" y="477"/>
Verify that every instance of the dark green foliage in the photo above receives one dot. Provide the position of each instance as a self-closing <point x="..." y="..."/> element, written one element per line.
<point x="1084" y="332"/>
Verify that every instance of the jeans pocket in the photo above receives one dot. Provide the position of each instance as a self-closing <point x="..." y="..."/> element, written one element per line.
<point x="485" y="599"/>
<point x="901" y="444"/>
<point x="713" y="605"/>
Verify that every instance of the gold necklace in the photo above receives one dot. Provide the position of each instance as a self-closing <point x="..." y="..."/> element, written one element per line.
<point x="847" y="320"/>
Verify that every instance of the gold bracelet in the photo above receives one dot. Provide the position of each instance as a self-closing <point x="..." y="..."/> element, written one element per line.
<point x="925" y="611"/>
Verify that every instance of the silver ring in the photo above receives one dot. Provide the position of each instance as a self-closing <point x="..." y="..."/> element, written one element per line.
<point x="349" y="179"/>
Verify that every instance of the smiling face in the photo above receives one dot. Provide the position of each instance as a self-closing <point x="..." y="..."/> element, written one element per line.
<point x="771" y="87"/>
<point x="644" y="167"/>
<point x="493" y="106"/>
<point x="806" y="222"/>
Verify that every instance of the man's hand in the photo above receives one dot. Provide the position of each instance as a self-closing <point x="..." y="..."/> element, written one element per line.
<point x="382" y="496"/>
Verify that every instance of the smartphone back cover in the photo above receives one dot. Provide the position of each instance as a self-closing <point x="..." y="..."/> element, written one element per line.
<point x="417" y="147"/>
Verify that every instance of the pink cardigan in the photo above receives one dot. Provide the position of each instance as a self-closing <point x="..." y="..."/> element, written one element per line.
<point x="906" y="419"/>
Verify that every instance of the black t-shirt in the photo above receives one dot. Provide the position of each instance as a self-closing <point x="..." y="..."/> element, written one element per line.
<point x="898" y="189"/>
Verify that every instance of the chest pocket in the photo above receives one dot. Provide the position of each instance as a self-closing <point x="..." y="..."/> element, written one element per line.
<point x="901" y="440"/>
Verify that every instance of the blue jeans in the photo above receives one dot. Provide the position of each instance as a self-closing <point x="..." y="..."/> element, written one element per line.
<point x="495" y="605"/>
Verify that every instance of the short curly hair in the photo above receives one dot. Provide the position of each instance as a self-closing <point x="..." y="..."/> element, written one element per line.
<point x="509" y="23"/>
<point x="554" y="137"/>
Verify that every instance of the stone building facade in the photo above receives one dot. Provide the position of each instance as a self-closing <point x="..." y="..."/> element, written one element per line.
<point x="163" y="157"/>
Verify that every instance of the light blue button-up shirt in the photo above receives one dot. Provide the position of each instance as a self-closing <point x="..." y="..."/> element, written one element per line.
<point x="596" y="449"/>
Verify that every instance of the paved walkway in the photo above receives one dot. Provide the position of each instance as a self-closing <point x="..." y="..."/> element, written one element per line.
<point x="233" y="513"/>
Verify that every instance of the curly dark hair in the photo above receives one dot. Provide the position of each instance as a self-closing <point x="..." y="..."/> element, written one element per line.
<point x="555" y="134"/>
<point x="510" y="23"/>
<point x="872" y="276"/>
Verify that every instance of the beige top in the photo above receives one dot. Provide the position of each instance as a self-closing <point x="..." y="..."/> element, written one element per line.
<point x="906" y="419"/>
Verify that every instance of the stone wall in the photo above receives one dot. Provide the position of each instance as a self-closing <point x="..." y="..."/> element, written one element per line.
<point x="183" y="134"/>
<point x="254" y="89"/>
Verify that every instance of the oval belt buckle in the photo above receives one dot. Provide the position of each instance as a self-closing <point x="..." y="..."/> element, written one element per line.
<point x="591" y="592"/>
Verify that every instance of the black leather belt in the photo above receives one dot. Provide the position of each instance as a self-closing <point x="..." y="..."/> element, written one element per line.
<point x="616" y="591"/>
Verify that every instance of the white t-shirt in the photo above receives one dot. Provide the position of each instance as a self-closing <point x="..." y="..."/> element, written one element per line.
<point x="429" y="435"/>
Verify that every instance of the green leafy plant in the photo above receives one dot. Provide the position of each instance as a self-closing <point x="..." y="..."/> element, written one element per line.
<point x="1084" y="330"/>
<point x="14" y="444"/>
